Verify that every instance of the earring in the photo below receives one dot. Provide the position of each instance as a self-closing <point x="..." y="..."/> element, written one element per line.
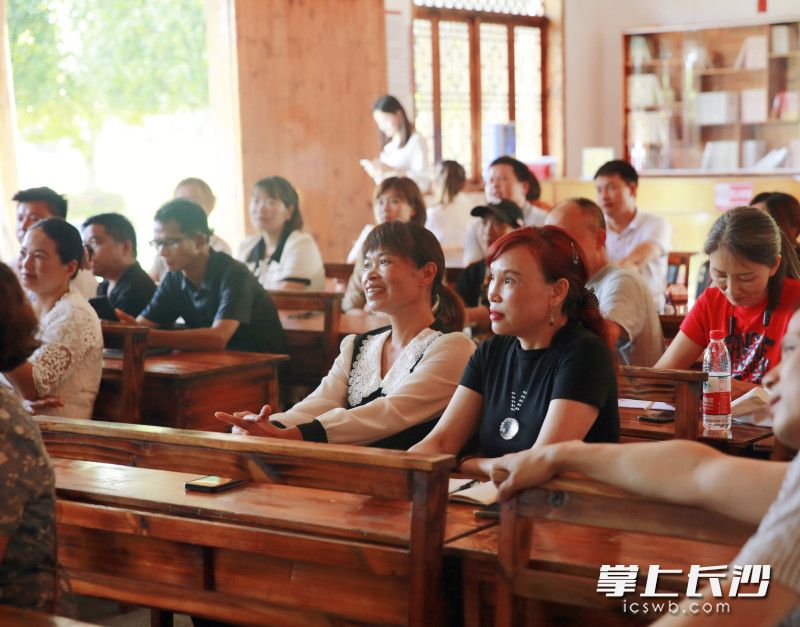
<point x="552" y="321"/>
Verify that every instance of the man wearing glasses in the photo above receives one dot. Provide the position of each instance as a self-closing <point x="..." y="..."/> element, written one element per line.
<point x="221" y="302"/>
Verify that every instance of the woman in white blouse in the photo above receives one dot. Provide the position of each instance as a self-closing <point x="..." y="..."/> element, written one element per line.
<point x="388" y="387"/>
<point x="404" y="152"/>
<point x="67" y="367"/>
<point x="280" y="255"/>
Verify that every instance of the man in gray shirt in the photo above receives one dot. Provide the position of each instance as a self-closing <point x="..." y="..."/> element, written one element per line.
<point x="625" y="303"/>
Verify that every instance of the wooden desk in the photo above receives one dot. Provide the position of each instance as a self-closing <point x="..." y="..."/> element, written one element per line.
<point x="552" y="540"/>
<point x="184" y="389"/>
<point x="326" y="534"/>
<point x="297" y="325"/>
<point x="15" y="617"/>
<point x="577" y="551"/>
<point x="738" y="441"/>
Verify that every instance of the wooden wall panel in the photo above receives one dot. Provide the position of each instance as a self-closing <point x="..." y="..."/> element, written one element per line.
<point x="309" y="71"/>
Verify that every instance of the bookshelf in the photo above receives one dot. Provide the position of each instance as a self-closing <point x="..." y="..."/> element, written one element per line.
<point x="715" y="100"/>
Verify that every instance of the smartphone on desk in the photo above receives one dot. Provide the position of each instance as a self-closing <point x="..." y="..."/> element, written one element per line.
<point x="658" y="417"/>
<point x="212" y="483"/>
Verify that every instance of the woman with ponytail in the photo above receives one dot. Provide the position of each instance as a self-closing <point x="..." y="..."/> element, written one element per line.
<point x="387" y="388"/>
<point x="548" y="375"/>
<point x="754" y="292"/>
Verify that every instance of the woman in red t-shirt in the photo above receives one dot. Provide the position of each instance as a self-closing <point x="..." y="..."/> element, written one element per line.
<point x="754" y="292"/>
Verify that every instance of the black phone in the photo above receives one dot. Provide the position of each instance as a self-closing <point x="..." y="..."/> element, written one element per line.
<point x="104" y="308"/>
<point x="212" y="483"/>
<point x="658" y="417"/>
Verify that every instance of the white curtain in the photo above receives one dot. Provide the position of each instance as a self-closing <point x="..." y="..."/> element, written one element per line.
<point x="8" y="132"/>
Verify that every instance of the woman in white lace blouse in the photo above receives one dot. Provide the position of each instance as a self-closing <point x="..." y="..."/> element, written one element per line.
<point x="388" y="387"/>
<point x="68" y="364"/>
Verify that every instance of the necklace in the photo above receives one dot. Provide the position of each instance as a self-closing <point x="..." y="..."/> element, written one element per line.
<point x="510" y="426"/>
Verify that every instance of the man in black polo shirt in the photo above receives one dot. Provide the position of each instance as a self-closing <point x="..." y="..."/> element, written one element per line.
<point x="112" y="240"/>
<point x="221" y="302"/>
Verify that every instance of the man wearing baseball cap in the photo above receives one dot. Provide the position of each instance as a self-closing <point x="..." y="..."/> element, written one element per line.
<point x="497" y="219"/>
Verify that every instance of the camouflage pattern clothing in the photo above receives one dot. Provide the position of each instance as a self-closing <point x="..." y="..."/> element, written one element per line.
<point x="27" y="512"/>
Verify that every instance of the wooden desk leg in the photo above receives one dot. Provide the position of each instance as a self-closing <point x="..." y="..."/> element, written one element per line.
<point x="472" y="592"/>
<point x="274" y="391"/>
<point x="160" y="618"/>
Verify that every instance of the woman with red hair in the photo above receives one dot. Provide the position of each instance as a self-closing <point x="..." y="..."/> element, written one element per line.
<point x="547" y="375"/>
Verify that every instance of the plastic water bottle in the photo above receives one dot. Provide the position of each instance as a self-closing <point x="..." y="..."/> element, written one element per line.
<point x="717" y="389"/>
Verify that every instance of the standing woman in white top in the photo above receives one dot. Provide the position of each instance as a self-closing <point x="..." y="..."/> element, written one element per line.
<point x="68" y="364"/>
<point x="280" y="255"/>
<point x="404" y="152"/>
<point x="388" y="387"/>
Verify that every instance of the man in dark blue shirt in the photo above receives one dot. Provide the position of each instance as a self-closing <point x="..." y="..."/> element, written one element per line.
<point x="221" y="302"/>
<point x="112" y="240"/>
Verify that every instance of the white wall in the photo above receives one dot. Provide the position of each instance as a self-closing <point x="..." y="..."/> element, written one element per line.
<point x="593" y="57"/>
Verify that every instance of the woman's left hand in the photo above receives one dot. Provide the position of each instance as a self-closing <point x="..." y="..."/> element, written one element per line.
<point x="46" y="402"/>
<point x="248" y="423"/>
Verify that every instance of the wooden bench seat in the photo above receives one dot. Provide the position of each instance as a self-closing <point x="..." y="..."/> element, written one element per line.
<point x="324" y="534"/>
<point x="577" y="501"/>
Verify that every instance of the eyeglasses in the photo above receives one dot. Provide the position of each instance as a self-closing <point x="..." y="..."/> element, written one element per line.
<point x="170" y="242"/>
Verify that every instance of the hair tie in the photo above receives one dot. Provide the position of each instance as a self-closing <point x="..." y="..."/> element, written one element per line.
<point x="588" y="299"/>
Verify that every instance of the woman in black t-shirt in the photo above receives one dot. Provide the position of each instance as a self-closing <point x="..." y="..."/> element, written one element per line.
<point x="547" y="376"/>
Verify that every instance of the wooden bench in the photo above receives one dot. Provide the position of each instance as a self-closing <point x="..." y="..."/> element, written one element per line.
<point x="576" y="501"/>
<point x="681" y="388"/>
<point x="340" y="272"/>
<point x="120" y="395"/>
<point x="310" y="356"/>
<point x="323" y="534"/>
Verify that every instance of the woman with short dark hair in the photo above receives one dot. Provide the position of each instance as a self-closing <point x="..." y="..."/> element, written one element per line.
<point x="69" y="363"/>
<point x="280" y="254"/>
<point x="387" y="387"/>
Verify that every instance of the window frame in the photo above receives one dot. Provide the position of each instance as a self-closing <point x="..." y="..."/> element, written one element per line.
<point x="474" y="19"/>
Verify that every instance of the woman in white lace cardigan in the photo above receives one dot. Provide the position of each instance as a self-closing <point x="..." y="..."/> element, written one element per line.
<point x="62" y="376"/>
<point x="388" y="387"/>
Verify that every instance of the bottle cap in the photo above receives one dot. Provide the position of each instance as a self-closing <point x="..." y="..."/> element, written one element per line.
<point x="717" y="334"/>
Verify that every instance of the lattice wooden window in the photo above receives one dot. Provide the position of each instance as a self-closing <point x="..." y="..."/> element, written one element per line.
<point x="479" y="62"/>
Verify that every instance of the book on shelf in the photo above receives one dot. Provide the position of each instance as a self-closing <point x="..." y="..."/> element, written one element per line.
<point x="786" y="105"/>
<point x="647" y="127"/>
<point x="752" y="151"/>
<point x="639" y="50"/>
<point x="783" y="38"/>
<point x="753" y="105"/>
<point x="773" y="159"/>
<point x="793" y="160"/>
<point x="720" y="155"/>
<point x="644" y="91"/>
<point x="753" y="54"/>
<point x="716" y="107"/>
